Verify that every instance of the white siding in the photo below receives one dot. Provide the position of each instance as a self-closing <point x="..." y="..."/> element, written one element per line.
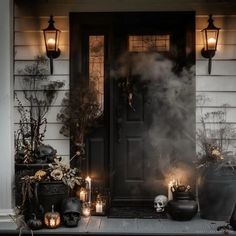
<point x="6" y="127"/>
<point x="220" y="86"/>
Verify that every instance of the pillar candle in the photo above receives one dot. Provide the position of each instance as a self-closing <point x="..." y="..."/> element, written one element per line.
<point x="88" y="180"/>
<point x="82" y="195"/>
<point x="99" y="207"/>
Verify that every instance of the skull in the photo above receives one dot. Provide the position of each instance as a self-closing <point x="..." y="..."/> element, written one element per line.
<point x="46" y="153"/>
<point x="71" y="212"/>
<point x="160" y="203"/>
<point x="71" y="219"/>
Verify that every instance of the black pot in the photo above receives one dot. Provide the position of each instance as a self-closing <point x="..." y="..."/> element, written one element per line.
<point x="232" y="221"/>
<point x="22" y="170"/>
<point x="183" y="206"/>
<point x="51" y="193"/>
<point x="217" y="192"/>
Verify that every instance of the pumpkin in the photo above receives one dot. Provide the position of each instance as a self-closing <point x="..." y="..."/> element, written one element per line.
<point x="35" y="223"/>
<point x="52" y="219"/>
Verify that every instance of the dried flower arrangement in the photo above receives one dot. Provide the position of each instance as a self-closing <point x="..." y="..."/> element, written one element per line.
<point x="214" y="138"/>
<point x="55" y="172"/>
<point x="38" y="95"/>
<point x="79" y="114"/>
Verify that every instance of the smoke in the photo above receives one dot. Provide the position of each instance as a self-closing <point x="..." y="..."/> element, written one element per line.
<point x="169" y="108"/>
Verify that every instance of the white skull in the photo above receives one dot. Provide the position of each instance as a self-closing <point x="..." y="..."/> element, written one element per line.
<point x="160" y="203"/>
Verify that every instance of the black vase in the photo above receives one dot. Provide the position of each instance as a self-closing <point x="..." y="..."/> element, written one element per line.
<point x="182" y="207"/>
<point x="217" y="192"/>
<point x="51" y="193"/>
<point x="232" y="221"/>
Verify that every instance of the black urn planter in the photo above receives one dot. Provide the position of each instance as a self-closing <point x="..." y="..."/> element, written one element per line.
<point x="217" y="192"/>
<point x="51" y="193"/>
<point x="183" y="207"/>
<point x="22" y="170"/>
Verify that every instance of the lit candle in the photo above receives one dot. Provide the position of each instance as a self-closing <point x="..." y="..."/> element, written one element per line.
<point x="99" y="207"/>
<point x="82" y="195"/>
<point x="211" y="43"/>
<point x="170" y="186"/>
<point x="52" y="222"/>
<point x="86" y="211"/>
<point x="88" y="180"/>
<point x="51" y="44"/>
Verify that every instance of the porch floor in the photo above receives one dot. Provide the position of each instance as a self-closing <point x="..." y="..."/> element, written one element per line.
<point x="95" y="225"/>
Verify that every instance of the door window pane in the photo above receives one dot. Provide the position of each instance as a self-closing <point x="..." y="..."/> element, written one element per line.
<point x="149" y="43"/>
<point x="96" y="65"/>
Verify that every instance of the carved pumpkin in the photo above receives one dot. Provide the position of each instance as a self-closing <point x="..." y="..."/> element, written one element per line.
<point x="35" y="223"/>
<point x="52" y="219"/>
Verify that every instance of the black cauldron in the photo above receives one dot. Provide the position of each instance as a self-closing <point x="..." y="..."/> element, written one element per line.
<point x="183" y="206"/>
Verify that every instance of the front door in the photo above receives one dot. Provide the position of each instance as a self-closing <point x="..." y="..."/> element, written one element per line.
<point x="148" y="104"/>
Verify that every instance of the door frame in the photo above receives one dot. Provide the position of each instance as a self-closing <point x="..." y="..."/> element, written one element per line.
<point x="86" y="23"/>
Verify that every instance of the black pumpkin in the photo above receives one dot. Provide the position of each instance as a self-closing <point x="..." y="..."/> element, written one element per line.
<point x="35" y="223"/>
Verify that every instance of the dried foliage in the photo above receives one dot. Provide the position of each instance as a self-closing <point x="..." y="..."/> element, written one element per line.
<point x="215" y="137"/>
<point x="19" y="219"/>
<point x="56" y="171"/>
<point x="79" y="114"/>
<point x="38" y="95"/>
<point x="69" y="176"/>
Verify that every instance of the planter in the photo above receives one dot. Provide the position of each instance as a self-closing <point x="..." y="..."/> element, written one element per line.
<point x="217" y="192"/>
<point x="51" y="193"/>
<point x="23" y="170"/>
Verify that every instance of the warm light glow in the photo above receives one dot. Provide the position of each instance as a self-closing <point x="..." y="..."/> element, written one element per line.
<point x="171" y="184"/>
<point x="51" y="44"/>
<point x="86" y="211"/>
<point x="88" y="179"/>
<point x="211" y="43"/>
<point x="99" y="207"/>
<point x="82" y="195"/>
<point x="52" y="222"/>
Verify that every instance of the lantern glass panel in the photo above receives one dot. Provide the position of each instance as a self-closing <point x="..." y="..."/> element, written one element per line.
<point x="52" y="40"/>
<point x="212" y="39"/>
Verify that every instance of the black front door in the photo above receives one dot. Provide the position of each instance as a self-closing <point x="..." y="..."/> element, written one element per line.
<point x="149" y="106"/>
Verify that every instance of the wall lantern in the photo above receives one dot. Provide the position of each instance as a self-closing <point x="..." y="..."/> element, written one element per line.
<point x="51" y="39"/>
<point x="210" y="38"/>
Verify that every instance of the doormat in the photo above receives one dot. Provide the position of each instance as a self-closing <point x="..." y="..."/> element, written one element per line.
<point x="135" y="212"/>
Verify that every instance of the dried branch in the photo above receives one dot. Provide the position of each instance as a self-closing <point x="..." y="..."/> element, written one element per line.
<point x="39" y="94"/>
<point x="79" y="114"/>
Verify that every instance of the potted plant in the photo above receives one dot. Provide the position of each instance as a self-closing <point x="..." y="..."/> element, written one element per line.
<point x="47" y="187"/>
<point x="216" y="166"/>
<point x="36" y="95"/>
<point x="80" y="112"/>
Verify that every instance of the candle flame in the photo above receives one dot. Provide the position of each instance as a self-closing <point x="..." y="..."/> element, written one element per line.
<point x="52" y="222"/>
<point x="88" y="179"/>
<point x="86" y="212"/>
<point x="212" y="40"/>
<point x="51" y="44"/>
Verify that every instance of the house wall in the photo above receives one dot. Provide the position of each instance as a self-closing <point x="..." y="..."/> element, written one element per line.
<point x="6" y="117"/>
<point x="31" y="17"/>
